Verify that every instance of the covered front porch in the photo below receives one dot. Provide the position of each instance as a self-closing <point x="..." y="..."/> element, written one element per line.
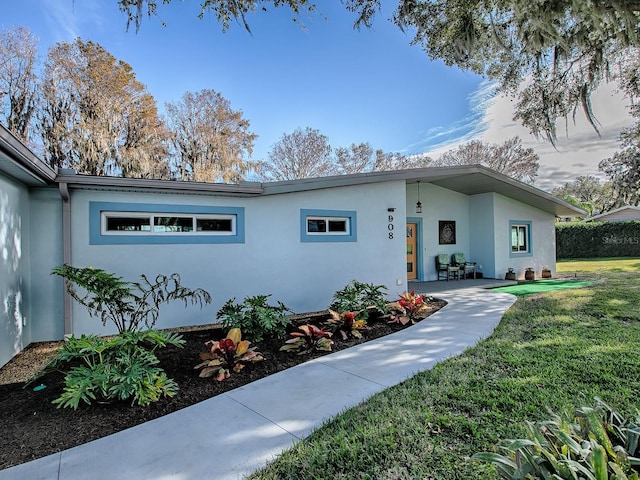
<point x="443" y="285"/>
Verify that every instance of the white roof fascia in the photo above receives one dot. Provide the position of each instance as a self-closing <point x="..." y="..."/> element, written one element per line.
<point x="21" y="163"/>
<point x="467" y="179"/>
<point x="167" y="186"/>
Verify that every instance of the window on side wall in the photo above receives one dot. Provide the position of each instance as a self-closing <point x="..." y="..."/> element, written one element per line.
<point x="520" y="238"/>
<point x="121" y="223"/>
<point x="327" y="226"/>
<point x="113" y="223"/>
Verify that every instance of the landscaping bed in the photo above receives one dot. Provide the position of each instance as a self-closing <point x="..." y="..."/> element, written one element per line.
<point x="32" y="427"/>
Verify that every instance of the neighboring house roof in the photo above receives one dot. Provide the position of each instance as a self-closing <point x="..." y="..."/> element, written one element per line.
<point x="18" y="162"/>
<point x="621" y="214"/>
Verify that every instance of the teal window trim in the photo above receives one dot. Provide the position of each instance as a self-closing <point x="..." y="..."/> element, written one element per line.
<point x="350" y="236"/>
<point x="529" y="238"/>
<point x="97" y="238"/>
<point x="419" y="247"/>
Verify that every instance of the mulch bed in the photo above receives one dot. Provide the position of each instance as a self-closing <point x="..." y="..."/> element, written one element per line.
<point x="32" y="427"/>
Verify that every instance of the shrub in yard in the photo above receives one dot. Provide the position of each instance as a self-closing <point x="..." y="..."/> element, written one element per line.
<point x="596" y="443"/>
<point x="309" y="338"/>
<point x="117" y="368"/>
<point x="255" y="317"/>
<point x="128" y="305"/>
<point x="123" y="366"/>
<point x="346" y="324"/>
<point x="360" y="297"/>
<point x="227" y="355"/>
<point x="409" y="308"/>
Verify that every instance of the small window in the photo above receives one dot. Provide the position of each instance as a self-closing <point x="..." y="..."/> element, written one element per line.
<point x="520" y="238"/>
<point x="328" y="226"/>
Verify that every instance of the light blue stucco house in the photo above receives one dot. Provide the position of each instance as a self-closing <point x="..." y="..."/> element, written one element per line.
<point x="298" y="240"/>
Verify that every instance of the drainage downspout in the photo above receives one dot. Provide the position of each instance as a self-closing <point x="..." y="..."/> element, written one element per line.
<point x="66" y="252"/>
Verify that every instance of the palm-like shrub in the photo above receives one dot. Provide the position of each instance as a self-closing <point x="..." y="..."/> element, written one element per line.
<point x="124" y="366"/>
<point x="130" y="306"/>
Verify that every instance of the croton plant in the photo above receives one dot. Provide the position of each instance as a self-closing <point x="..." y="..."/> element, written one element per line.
<point x="409" y="308"/>
<point x="227" y="355"/>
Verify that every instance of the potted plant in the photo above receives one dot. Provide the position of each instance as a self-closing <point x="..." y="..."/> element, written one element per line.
<point x="510" y="275"/>
<point x="546" y="272"/>
<point x="529" y="274"/>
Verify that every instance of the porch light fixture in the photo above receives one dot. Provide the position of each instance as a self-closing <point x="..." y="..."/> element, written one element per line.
<point x="418" y="204"/>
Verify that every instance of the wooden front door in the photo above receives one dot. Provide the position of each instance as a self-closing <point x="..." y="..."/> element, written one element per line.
<point x="412" y="251"/>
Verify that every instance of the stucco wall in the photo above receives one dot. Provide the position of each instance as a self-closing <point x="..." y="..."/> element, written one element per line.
<point x="482" y="246"/>
<point x="439" y="204"/>
<point x="46" y="253"/>
<point x="272" y="259"/>
<point x="543" y="240"/>
<point x="15" y="316"/>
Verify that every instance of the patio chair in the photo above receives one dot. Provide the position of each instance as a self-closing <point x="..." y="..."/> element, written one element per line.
<point x="458" y="260"/>
<point x="443" y="266"/>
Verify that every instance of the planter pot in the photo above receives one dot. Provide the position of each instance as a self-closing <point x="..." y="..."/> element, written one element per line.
<point x="529" y="275"/>
<point x="546" y="273"/>
<point x="510" y="276"/>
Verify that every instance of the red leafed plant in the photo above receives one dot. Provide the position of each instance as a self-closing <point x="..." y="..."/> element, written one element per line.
<point x="347" y="324"/>
<point x="230" y="353"/>
<point x="308" y="339"/>
<point x="409" y="308"/>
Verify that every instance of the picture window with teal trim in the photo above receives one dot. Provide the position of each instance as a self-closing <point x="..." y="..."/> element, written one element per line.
<point x="131" y="223"/>
<point x="327" y="226"/>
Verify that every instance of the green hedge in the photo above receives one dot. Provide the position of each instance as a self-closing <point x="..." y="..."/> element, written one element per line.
<point x="598" y="239"/>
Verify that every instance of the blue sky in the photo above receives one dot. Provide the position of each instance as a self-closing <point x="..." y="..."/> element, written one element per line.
<point x="354" y="86"/>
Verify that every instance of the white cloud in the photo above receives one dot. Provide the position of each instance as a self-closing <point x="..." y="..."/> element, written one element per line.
<point x="68" y="20"/>
<point x="578" y="152"/>
<point x="441" y="139"/>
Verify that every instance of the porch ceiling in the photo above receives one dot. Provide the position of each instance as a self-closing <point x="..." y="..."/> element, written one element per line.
<point x="487" y="181"/>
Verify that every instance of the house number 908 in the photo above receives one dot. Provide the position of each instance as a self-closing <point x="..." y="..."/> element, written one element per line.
<point x="390" y="226"/>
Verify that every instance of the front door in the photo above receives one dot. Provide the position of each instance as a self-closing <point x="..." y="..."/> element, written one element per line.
<point x="412" y="253"/>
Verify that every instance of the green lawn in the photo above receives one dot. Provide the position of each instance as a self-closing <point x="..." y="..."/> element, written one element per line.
<point x="555" y="350"/>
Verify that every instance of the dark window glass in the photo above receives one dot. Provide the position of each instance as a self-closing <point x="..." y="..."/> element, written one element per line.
<point x="337" y="226"/>
<point x="316" y="225"/>
<point x="173" y="224"/>
<point x="214" y="225"/>
<point x="126" y="224"/>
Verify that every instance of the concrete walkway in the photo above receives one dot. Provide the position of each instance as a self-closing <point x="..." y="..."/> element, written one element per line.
<point x="236" y="433"/>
